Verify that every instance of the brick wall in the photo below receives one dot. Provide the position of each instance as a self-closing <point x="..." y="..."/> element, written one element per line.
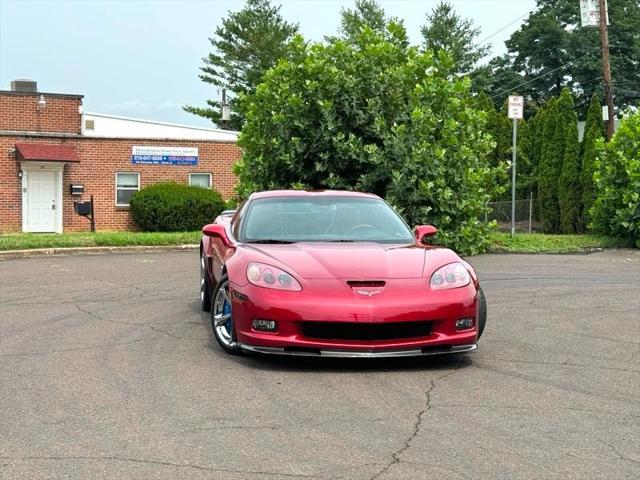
<point x="19" y="112"/>
<point x="100" y="159"/>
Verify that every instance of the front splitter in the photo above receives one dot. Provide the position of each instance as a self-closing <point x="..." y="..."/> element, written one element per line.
<point x="418" y="352"/>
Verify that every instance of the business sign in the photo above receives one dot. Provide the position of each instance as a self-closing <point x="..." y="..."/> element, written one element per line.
<point x="516" y="107"/>
<point x="590" y="13"/>
<point x="154" y="155"/>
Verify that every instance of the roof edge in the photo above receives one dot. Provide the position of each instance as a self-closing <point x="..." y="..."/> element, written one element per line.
<point x="37" y="94"/>
<point x="168" y="124"/>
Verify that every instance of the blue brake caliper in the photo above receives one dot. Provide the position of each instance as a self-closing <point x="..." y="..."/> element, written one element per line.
<point x="226" y="308"/>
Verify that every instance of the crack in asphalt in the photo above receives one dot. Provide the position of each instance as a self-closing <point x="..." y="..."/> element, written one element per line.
<point x="122" y="322"/>
<point x="549" y="383"/>
<point x="75" y="349"/>
<point x="617" y="452"/>
<point x="159" y="463"/>
<point x="517" y="407"/>
<point x="567" y="362"/>
<point x="395" y="456"/>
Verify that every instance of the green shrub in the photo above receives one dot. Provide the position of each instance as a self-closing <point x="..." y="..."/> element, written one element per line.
<point x="374" y="114"/>
<point x="173" y="207"/>
<point x="616" y="210"/>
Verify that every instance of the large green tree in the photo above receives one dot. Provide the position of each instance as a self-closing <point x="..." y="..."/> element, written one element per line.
<point x="593" y="132"/>
<point x="448" y="31"/>
<point x="570" y="185"/>
<point x="550" y="168"/>
<point x="247" y="44"/>
<point x="551" y="50"/>
<point x="372" y="114"/>
<point x="366" y="13"/>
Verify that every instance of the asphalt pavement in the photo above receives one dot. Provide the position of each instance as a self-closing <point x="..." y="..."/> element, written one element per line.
<point x="108" y="370"/>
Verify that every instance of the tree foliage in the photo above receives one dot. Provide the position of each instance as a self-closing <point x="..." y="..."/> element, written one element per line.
<point x="367" y="13"/>
<point x="551" y="50"/>
<point x="593" y="131"/>
<point x="550" y="168"/>
<point x="372" y="114"/>
<point x="448" y="31"/>
<point x="246" y="45"/>
<point x="569" y="187"/>
<point x="616" y="210"/>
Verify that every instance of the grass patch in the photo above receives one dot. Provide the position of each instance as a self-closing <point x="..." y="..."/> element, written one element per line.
<point x="24" y="241"/>
<point x="544" y="243"/>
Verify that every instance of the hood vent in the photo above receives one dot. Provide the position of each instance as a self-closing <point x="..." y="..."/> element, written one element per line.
<point x="366" y="283"/>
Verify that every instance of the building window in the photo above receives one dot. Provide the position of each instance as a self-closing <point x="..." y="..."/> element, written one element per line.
<point x="200" y="180"/>
<point x="127" y="183"/>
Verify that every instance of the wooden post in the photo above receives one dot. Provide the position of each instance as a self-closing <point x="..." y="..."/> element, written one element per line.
<point x="606" y="67"/>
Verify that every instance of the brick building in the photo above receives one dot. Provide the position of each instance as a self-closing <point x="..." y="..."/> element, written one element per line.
<point x="53" y="154"/>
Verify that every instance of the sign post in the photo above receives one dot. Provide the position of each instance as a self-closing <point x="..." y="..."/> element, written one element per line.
<point x="515" y="112"/>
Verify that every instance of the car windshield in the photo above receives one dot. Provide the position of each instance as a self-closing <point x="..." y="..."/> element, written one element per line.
<point x="322" y="219"/>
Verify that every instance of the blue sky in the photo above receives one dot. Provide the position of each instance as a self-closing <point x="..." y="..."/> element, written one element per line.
<point x="142" y="58"/>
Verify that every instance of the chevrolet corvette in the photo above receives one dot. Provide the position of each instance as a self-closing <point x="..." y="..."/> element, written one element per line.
<point x="336" y="274"/>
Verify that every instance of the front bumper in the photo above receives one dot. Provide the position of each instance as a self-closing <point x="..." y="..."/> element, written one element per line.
<point x="359" y="353"/>
<point x="324" y="301"/>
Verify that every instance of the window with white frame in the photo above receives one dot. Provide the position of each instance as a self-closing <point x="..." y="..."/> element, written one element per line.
<point x="200" y="180"/>
<point x="127" y="183"/>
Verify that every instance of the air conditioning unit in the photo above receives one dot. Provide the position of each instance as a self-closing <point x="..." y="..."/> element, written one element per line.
<point x="29" y="86"/>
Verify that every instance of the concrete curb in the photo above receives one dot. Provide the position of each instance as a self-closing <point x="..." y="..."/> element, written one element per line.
<point x="37" y="252"/>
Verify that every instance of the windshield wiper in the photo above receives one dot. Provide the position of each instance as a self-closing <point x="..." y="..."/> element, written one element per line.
<point x="271" y="240"/>
<point x="341" y="241"/>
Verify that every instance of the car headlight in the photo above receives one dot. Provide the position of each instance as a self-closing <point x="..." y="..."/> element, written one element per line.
<point x="267" y="276"/>
<point x="454" y="275"/>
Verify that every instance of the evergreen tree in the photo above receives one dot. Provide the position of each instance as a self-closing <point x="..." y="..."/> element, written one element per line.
<point x="367" y="13"/>
<point x="448" y="31"/>
<point x="499" y="127"/>
<point x="593" y="131"/>
<point x="569" y="188"/>
<point x="550" y="168"/>
<point x="524" y="164"/>
<point x="246" y="45"/>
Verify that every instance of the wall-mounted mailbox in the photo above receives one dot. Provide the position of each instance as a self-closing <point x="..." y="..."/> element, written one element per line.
<point x="82" y="208"/>
<point x="76" y="189"/>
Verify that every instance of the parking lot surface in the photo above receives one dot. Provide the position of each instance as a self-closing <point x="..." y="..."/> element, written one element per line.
<point x="108" y="370"/>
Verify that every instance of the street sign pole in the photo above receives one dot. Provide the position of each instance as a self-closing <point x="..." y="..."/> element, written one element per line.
<point x="515" y="112"/>
<point x="513" y="178"/>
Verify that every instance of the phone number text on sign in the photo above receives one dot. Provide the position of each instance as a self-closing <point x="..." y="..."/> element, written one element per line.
<point x="153" y="155"/>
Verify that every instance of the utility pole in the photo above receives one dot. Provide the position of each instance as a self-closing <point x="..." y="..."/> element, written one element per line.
<point x="224" y="113"/>
<point x="606" y="67"/>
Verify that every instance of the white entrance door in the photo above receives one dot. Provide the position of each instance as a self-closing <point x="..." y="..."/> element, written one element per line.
<point x="41" y="201"/>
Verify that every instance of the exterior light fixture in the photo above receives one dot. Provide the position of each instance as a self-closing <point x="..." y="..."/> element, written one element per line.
<point x="42" y="103"/>
<point x="20" y="174"/>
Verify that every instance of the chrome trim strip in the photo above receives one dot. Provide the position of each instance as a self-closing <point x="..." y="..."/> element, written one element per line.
<point x="358" y="353"/>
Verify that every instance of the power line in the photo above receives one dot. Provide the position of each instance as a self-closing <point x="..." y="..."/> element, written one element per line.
<point x="484" y="40"/>
<point x="539" y="76"/>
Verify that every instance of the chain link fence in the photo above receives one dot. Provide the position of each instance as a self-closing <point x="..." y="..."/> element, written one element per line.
<point x="525" y="220"/>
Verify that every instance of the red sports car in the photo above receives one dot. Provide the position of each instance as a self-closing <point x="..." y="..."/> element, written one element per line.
<point x="335" y="274"/>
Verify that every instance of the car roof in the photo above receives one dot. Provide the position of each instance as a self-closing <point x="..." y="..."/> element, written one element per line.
<point x="311" y="193"/>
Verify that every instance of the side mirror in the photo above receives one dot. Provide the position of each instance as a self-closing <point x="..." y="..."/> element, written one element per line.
<point x="423" y="231"/>
<point x="217" y="230"/>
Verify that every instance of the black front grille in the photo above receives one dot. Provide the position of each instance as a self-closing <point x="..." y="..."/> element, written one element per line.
<point x="366" y="283"/>
<point x="365" y="331"/>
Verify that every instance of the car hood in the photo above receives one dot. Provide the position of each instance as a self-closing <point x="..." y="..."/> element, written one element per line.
<point x="345" y="261"/>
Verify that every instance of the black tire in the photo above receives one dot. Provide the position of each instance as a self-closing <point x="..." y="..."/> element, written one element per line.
<point x="205" y="286"/>
<point x="482" y="312"/>
<point x="225" y="334"/>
